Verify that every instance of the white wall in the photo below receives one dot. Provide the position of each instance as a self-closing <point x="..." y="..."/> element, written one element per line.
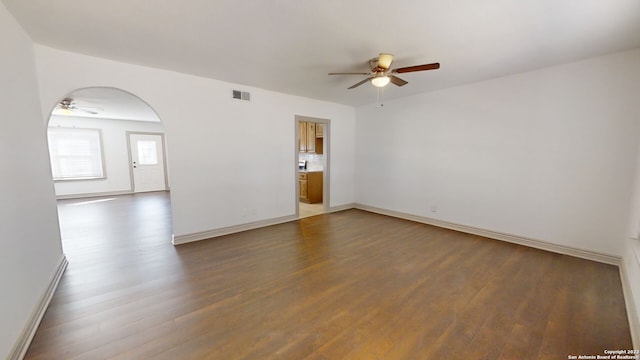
<point x="115" y="154"/>
<point x="232" y="162"/>
<point x="631" y="258"/>
<point x="548" y="155"/>
<point x="31" y="249"/>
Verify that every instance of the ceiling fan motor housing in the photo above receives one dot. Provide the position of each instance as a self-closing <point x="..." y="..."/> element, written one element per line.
<point x="66" y="103"/>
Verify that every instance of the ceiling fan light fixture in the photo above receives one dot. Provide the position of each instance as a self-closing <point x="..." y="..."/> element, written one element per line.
<point x="380" y="81"/>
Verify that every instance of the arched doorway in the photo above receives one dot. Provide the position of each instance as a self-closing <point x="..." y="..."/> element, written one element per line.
<point x="91" y="132"/>
<point x="107" y="149"/>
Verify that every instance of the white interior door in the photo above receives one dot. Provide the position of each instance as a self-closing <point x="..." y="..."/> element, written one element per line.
<point x="147" y="162"/>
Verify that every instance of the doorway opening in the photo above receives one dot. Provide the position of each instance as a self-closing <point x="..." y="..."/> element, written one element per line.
<point x="108" y="157"/>
<point x="312" y="167"/>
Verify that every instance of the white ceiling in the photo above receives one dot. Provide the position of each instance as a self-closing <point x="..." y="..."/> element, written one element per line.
<point x="290" y="45"/>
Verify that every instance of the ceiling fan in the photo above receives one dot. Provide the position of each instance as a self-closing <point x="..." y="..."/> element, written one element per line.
<point x="380" y="75"/>
<point x="68" y="106"/>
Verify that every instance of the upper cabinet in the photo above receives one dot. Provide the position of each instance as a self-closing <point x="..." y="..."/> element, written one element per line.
<point x="311" y="137"/>
<point x="302" y="137"/>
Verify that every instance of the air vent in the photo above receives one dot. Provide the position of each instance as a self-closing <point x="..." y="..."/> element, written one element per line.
<point x="241" y="95"/>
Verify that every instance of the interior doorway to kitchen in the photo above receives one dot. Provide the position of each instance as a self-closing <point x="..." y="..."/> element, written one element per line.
<point x="312" y="166"/>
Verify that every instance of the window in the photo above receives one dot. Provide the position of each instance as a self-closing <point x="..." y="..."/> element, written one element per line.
<point x="147" y="152"/>
<point x="75" y="153"/>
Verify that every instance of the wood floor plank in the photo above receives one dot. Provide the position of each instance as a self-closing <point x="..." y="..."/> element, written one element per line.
<point x="344" y="285"/>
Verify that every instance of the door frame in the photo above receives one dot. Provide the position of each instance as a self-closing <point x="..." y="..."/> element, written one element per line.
<point x="164" y="157"/>
<point x="326" y="169"/>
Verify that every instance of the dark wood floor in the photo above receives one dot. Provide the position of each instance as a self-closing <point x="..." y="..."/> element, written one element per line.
<point x="347" y="285"/>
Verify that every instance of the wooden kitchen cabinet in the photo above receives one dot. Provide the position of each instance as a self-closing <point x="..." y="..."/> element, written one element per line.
<point x="311" y="137"/>
<point x="310" y="186"/>
<point x="319" y="138"/>
<point x="310" y="140"/>
<point x="302" y="136"/>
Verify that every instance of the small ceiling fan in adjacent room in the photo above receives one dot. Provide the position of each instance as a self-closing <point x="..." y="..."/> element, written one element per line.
<point x="67" y="106"/>
<point x="381" y="74"/>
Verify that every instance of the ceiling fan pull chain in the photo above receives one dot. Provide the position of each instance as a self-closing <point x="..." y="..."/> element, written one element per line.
<point x="379" y="96"/>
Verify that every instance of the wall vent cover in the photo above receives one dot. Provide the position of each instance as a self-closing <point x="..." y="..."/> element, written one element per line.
<point x="240" y="95"/>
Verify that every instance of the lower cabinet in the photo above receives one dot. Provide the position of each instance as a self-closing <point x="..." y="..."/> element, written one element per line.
<point x="311" y="187"/>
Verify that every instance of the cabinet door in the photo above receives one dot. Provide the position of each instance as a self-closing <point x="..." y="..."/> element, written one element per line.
<point x="303" y="189"/>
<point x="319" y="131"/>
<point x="311" y="137"/>
<point x="302" y="136"/>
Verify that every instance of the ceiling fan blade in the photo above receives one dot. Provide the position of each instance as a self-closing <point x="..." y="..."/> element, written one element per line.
<point x="417" y="68"/>
<point x="397" y="81"/>
<point x="384" y="60"/>
<point x="361" y="82"/>
<point x="349" y="73"/>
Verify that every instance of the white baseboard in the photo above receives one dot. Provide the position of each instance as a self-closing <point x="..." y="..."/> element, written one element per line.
<point x="22" y="344"/>
<point x="632" y="311"/>
<point x="91" y="195"/>
<point x="538" y="244"/>
<point x="341" y="208"/>
<point x="187" y="238"/>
